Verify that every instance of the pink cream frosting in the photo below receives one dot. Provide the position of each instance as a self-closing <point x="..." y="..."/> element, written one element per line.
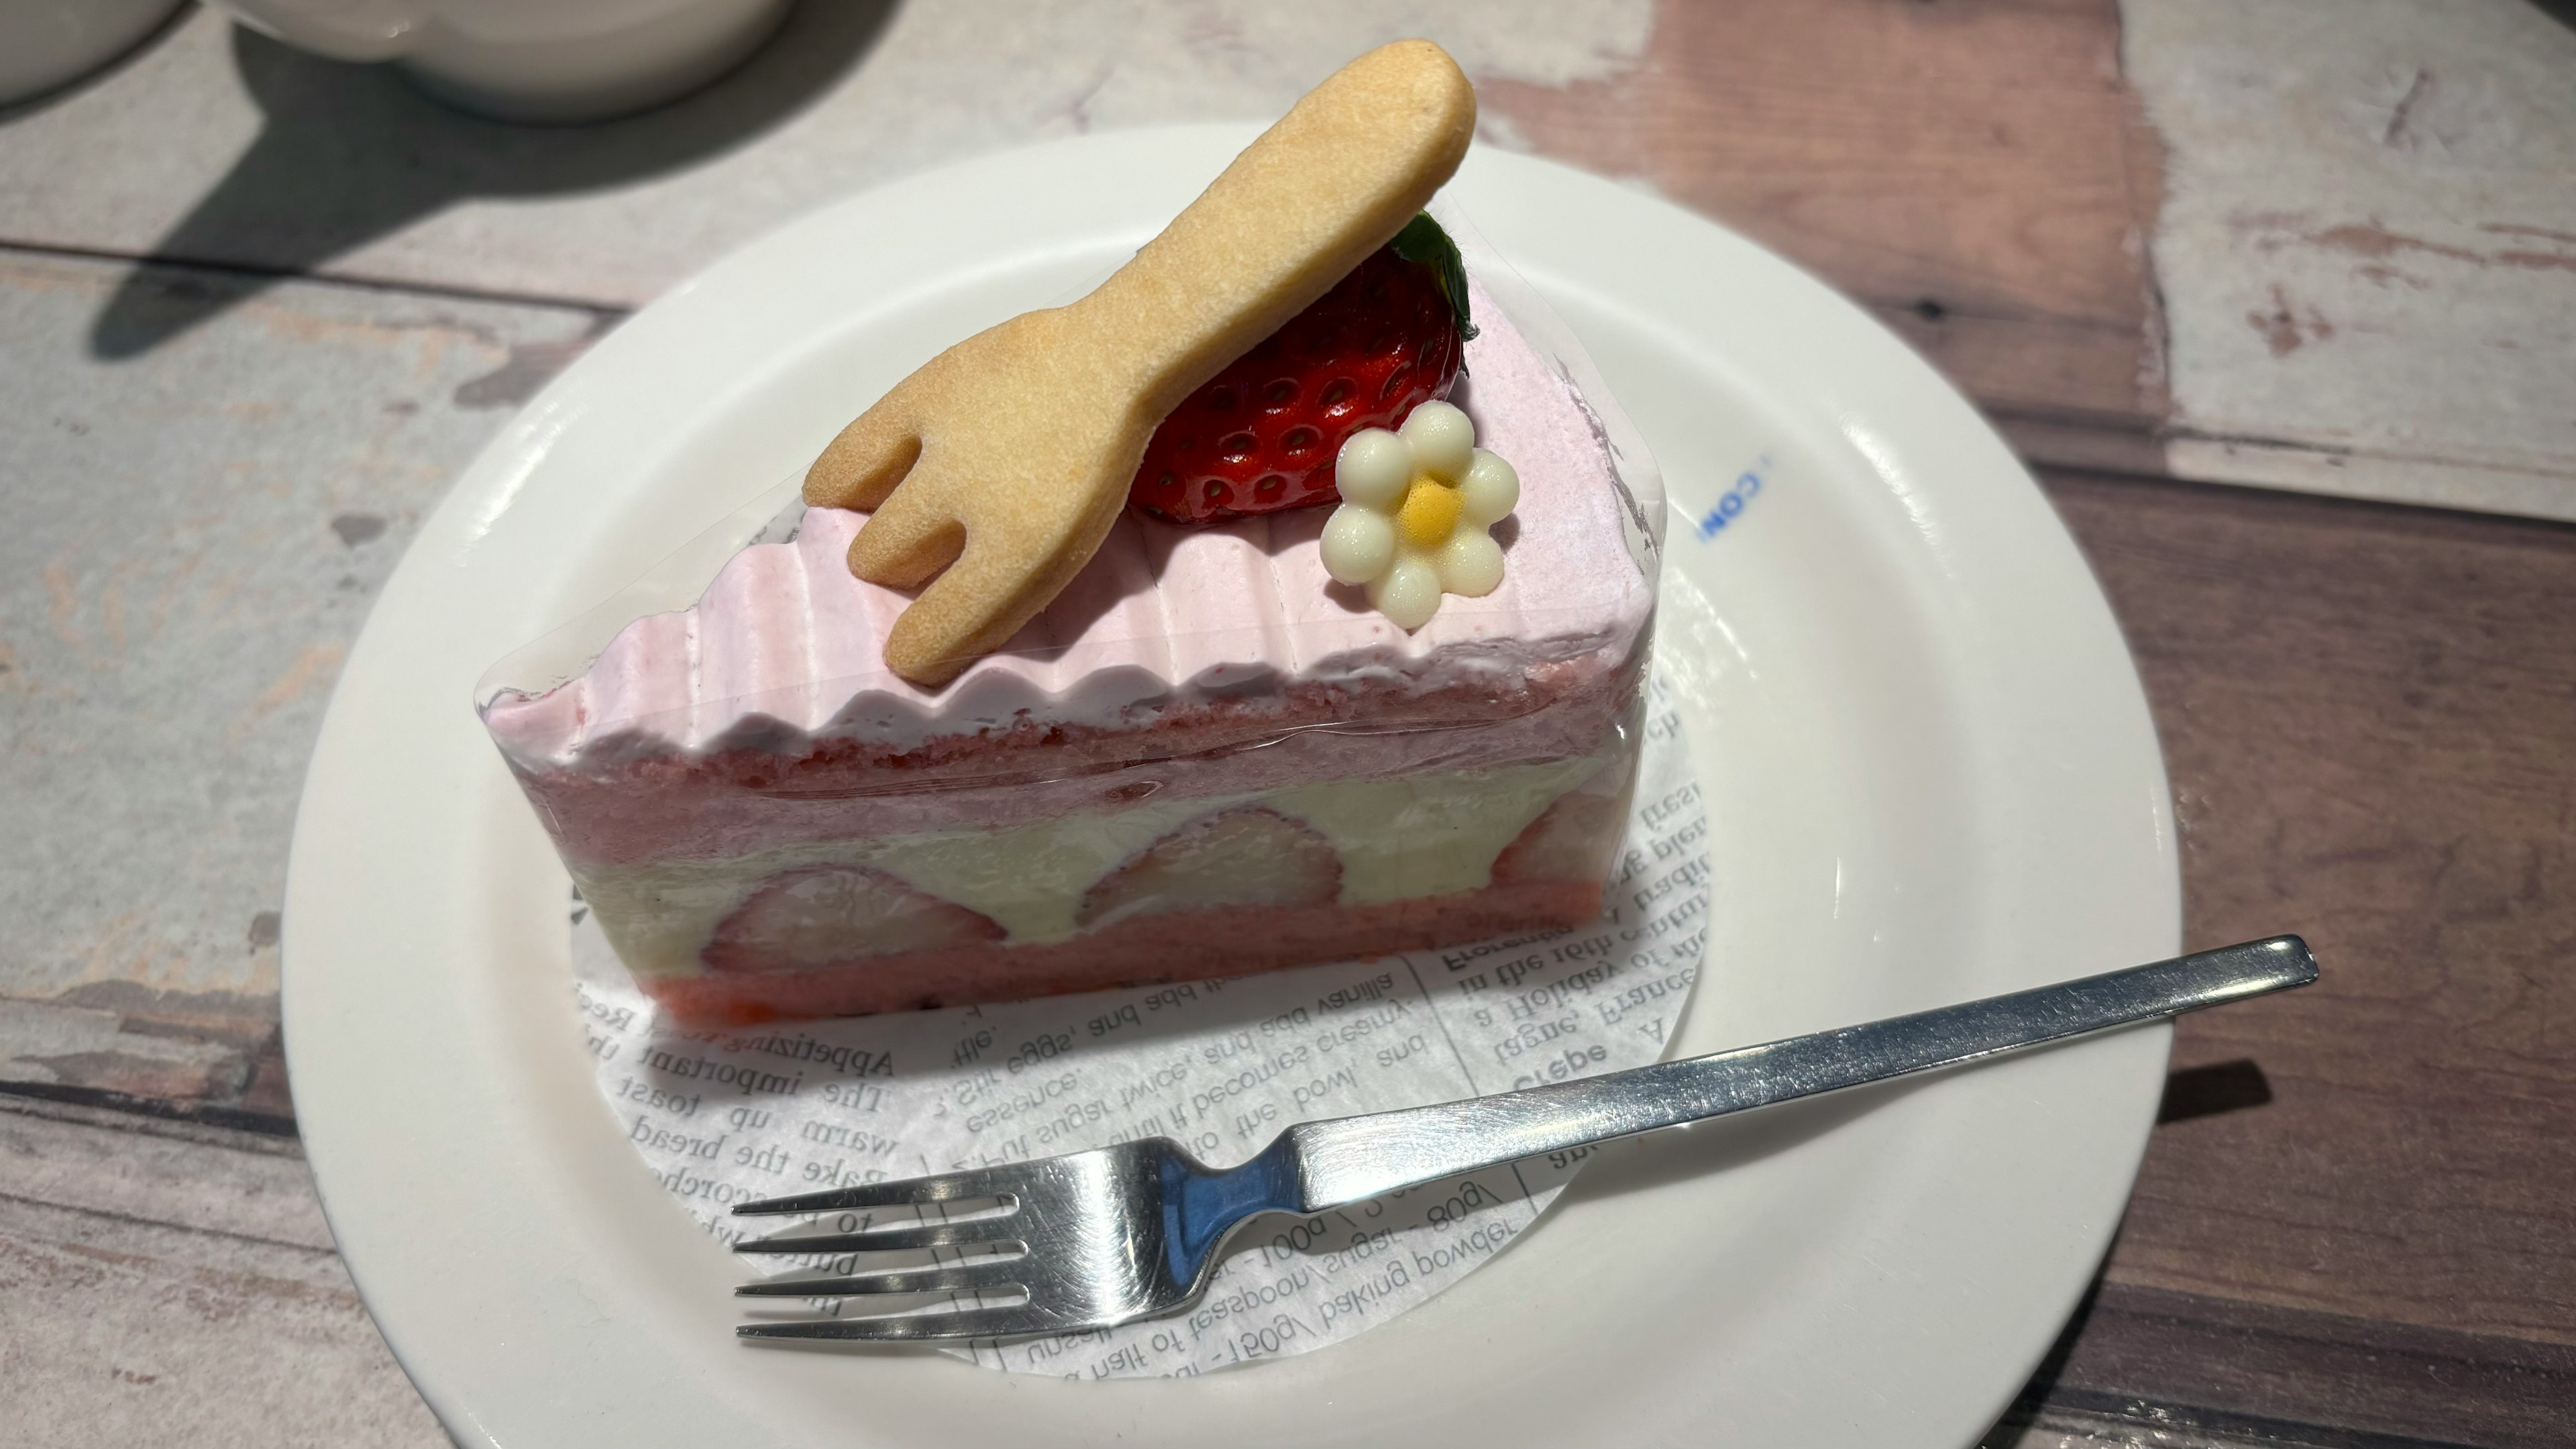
<point x="784" y="647"/>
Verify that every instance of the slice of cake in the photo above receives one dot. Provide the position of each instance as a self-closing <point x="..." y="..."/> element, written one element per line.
<point x="1205" y="758"/>
<point x="1357" y="672"/>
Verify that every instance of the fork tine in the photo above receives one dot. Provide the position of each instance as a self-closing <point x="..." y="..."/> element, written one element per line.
<point x="901" y="1192"/>
<point x="970" y="1323"/>
<point x="925" y="1235"/>
<point x="956" y="1278"/>
<point x="868" y="459"/>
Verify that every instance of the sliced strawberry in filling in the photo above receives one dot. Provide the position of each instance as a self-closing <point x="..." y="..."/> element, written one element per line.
<point x="820" y="914"/>
<point x="1573" y="839"/>
<point x="1247" y="856"/>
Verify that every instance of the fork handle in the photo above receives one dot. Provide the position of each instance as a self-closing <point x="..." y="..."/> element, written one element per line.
<point x="1351" y="1159"/>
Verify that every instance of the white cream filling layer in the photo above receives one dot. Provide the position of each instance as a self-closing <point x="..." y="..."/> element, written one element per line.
<point x="1398" y="839"/>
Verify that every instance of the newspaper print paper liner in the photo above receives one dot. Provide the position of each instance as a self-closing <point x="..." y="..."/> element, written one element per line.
<point x="1220" y="1066"/>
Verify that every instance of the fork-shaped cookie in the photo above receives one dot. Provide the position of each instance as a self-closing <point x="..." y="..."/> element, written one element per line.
<point x="993" y="472"/>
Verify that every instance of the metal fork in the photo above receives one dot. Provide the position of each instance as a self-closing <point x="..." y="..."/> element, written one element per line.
<point x="1097" y="1239"/>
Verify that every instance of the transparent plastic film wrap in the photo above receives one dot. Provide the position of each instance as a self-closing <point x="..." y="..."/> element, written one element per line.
<point x="1633" y="470"/>
<point x="1205" y="758"/>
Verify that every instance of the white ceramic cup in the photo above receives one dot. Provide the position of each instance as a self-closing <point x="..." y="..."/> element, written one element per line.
<point x="48" y="44"/>
<point x="531" y="60"/>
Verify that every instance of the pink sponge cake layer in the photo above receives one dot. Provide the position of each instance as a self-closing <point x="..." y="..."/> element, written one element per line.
<point x="738" y="799"/>
<point x="1203" y="726"/>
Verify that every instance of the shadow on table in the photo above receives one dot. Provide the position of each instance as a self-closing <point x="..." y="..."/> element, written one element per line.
<point x="2210" y="1090"/>
<point x="107" y="71"/>
<point x="348" y="153"/>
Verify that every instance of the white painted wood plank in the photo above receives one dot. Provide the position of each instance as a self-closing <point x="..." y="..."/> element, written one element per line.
<point x="176" y="1286"/>
<point x="2368" y="244"/>
<point x="189" y="541"/>
<point x="172" y="1174"/>
<point x="218" y="144"/>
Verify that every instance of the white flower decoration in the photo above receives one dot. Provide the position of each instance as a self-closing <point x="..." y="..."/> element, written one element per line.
<point x="1418" y="507"/>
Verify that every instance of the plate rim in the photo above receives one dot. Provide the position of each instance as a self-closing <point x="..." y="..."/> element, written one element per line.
<point x="325" y="1004"/>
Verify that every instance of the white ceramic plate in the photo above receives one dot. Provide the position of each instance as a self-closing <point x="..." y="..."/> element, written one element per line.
<point x="1931" y="776"/>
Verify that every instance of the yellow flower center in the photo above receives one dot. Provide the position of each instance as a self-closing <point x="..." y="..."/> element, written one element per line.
<point x="1430" y="510"/>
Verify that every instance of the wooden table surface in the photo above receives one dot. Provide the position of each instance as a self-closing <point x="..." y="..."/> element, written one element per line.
<point x="256" y="310"/>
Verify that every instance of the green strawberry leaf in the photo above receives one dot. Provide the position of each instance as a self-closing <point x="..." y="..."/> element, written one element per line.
<point x="1423" y="243"/>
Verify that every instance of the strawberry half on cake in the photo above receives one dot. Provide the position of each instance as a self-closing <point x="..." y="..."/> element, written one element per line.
<point x="1357" y="672"/>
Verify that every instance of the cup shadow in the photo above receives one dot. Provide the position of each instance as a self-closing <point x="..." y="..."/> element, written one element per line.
<point x="103" y="73"/>
<point x="349" y="153"/>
